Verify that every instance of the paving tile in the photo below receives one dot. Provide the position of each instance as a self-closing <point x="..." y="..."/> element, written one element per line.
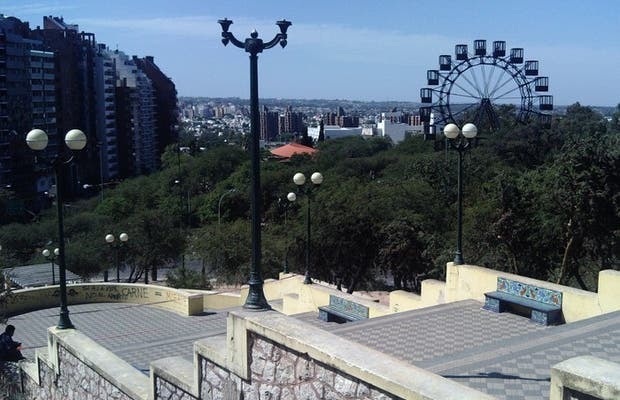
<point x="138" y="334"/>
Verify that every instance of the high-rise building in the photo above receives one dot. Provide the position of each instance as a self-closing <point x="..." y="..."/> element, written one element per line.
<point x="58" y="78"/>
<point x="107" y="134"/>
<point x="269" y="121"/>
<point x="76" y="93"/>
<point x="135" y="114"/>
<point x="16" y="114"/>
<point x="291" y="122"/>
<point x="165" y="93"/>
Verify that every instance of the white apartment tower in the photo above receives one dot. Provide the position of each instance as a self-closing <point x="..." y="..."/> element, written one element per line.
<point x="140" y="112"/>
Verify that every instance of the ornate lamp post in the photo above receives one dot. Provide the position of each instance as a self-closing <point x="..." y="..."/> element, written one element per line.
<point x="52" y="257"/>
<point x="300" y="180"/>
<point x="75" y="140"/>
<point x="460" y="141"/>
<point x="253" y="45"/>
<point x="109" y="238"/>
<point x="291" y="197"/>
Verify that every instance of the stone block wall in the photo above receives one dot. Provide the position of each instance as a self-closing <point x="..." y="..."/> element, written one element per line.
<point x="168" y="391"/>
<point x="279" y="373"/>
<point x="76" y="381"/>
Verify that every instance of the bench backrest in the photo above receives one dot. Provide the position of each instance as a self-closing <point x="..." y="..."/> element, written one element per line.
<point x="347" y="306"/>
<point x="543" y="295"/>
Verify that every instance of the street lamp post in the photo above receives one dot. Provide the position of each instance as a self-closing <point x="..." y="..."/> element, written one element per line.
<point x="460" y="140"/>
<point x="75" y="140"/>
<point x="291" y="197"/>
<point x="109" y="238"/>
<point x="52" y="257"/>
<point x="253" y="45"/>
<point x="219" y="204"/>
<point x="300" y="179"/>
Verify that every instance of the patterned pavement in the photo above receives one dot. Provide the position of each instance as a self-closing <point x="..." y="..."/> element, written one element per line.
<point x="504" y="355"/>
<point x="138" y="334"/>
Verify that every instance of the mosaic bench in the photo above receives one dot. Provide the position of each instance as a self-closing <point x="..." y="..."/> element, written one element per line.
<point x="342" y="310"/>
<point x="545" y="305"/>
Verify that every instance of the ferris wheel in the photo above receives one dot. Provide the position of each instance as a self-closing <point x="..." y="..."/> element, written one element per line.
<point x="472" y="84"/>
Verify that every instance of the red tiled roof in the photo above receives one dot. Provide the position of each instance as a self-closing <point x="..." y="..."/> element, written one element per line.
<point x="288" y="150"/>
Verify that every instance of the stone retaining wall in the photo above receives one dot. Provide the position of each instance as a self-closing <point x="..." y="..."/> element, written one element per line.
<point x="76" y="381"/>
<point x="280" y="373"/>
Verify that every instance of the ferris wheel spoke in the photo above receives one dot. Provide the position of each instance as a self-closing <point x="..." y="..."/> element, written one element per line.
<point x="477" y="85"/>
<point x="468" y="107"/>
<point x="484" y="80"/>
<point x="497" y="84"/>
<point x="471" y="84"/>
<point x="507" y="81"/>
<point x="506" y="93"/>
<point x="464" y="95"/>
<point x="465" y="90"/>
<point x="491" y="78"/>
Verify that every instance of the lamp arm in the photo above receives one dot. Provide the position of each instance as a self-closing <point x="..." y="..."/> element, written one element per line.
<point x="275" y="41"/>
<point x="228" y="36"/>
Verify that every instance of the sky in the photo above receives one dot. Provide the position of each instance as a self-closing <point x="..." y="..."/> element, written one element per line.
<point x="357" y="49"/>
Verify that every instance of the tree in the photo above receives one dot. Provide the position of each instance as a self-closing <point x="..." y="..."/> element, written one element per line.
<point x="586" y="190"/>
<point x="402" y="253"/>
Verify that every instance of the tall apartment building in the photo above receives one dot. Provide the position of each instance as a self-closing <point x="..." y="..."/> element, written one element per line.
<point x="341" y="119"/>
<point x="269" y="124"/>
<point x="58" y="78"/>
<point x="165" y="93"/>
<point x="291" y="122"/>
<point x="43" y="86"/>
<point x="105" y="100"/>
<point x="135" y="112"/>
<point x="16" y="114"/>
<point x="76" y="105"/>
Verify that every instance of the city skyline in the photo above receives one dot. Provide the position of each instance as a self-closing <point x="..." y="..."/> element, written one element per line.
<point x="376" y="51"/>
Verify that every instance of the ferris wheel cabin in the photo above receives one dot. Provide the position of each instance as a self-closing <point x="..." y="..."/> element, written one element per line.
<point x="426" y="95"/>
<point x="445" y="62"/>
<point x="541" y="84"/>
<point x="460" y="51"/>
<point x="432" y="76"/>
<point x="499" y="48"/>
<point x="480" y="47"/>
<point x="516" y="55"/>
<point x="545" y="102"/>
<point x="531" y="68"/>
<point x="425" y="114"/>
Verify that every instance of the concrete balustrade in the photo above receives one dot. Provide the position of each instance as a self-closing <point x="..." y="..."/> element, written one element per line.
<point x="585" y="375"/>
<point x="179" y="301"/>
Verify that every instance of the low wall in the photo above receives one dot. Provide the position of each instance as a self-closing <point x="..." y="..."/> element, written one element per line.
<point x="75" y="367"/>
<point x="585" y="375"/>
<point x="176" y="300"/>
<point x="262" y="355"/>
<point x="308" y="298"/>
<point x="471" y="282"/>
<point x="265" y="356"/>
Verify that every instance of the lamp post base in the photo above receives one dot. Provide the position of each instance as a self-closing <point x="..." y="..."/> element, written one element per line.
<point x="256" y="300"/>
<point x="458" y="258"/>
<point x="64" y="322"/>
<point x="307" y="279"/>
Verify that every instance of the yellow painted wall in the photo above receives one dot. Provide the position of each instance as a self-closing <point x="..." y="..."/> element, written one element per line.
<point x="160" y="296"/>
<point x="471" y="282"/>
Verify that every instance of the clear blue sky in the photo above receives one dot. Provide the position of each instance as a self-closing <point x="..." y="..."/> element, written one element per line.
<point x="355" y="49"/>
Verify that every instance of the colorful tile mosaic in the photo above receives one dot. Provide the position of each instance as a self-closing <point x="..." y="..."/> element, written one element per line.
<point x="543" y="295"/>
<point x="347" y="306"/>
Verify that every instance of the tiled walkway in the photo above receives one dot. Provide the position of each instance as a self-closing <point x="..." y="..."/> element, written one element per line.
<point x="138" y="334"/>
<point x="504" y="355"/>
